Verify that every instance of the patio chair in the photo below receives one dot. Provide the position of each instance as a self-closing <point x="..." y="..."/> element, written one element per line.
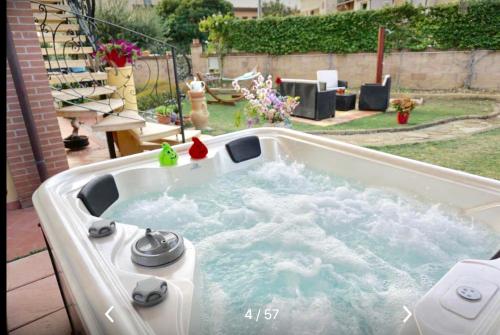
<point x="219" y="94"/>
<point x="375" y="97"/>
<point x="330" y="77"/>
<point x="253" y="74"/>
<point x="316" y="103"/>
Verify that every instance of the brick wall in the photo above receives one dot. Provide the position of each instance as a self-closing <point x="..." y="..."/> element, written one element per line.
<point x="19" y="154"/>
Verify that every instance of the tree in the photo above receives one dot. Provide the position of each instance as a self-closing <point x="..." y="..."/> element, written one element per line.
<point x="276" y="8"/>
<point x="182" y="18"/>
<point x="143" y="20"/>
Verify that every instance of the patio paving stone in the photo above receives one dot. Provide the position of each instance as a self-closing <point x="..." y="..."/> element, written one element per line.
<point x="55" y="323"/>
<point x="23" y="233"/>
<point x="33" y="301"/>
<point x="447" y="131"/>
<point x="28" y="269"/>
<point x="340" y="117"/>
<point x="96" y="151"/>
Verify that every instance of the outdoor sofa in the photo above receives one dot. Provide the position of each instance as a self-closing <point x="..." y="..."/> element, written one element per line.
<point x="316" y="102"/>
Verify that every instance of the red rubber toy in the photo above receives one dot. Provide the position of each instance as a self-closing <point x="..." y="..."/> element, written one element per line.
<point x="198" y="150"/>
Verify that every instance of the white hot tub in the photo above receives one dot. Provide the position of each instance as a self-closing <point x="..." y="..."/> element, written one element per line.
<point x="99" y="276"/>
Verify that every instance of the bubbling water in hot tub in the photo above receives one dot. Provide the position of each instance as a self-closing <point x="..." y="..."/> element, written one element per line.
<point x="306" y="252"/>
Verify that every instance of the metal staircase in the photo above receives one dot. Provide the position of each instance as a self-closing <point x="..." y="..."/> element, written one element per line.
<point x="80" y="83"/>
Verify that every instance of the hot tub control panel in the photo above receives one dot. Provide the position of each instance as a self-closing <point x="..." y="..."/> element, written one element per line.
<point x="469" y="293"/>
<point x="468" y="296"/>
<point x="465" y="301"/>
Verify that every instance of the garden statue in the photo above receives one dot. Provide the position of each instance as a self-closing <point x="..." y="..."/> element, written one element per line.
<point x="196" y="86"/>
<point x="199" y="110"/>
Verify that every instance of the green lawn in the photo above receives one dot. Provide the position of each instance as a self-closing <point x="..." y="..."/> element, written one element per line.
<point x="432" y="110"/>
<point x="222" y="117"/>
<point x="478" y="154"/>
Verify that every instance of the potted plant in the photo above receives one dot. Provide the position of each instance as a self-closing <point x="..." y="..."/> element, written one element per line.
<point x="173" y="107"/>
<point x="163" y="114"/>
<point x="118" y="53"/>
<point x="404" y="106"/>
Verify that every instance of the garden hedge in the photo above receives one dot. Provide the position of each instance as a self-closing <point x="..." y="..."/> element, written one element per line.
<point x="473" y="25"/>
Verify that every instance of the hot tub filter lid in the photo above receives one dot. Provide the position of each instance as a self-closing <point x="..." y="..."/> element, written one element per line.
<point x="102" y="228"/>
<point x="150" y="291"/>
<point x="157" y="248"/>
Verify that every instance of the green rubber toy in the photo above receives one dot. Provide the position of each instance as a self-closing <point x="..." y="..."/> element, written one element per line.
<point x="168" y="156"/>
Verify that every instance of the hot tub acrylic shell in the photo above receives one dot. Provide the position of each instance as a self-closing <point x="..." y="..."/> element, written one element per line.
<point x="98" y="273"/>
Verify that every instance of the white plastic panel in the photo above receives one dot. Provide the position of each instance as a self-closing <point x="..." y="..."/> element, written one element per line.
<point x="442" y="311"/>
<point x="468" y="296"/>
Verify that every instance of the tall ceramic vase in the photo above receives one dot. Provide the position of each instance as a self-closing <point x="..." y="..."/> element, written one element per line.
<point x="199" y="111"/>
<point x="123" y="79"/>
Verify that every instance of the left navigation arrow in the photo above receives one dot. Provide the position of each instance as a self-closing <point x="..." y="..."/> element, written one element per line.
<point x="108" y="316"/>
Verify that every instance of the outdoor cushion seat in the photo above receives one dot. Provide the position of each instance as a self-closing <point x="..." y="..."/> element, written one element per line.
<point x="375" y="97"/>
<point x="316" y="103"/>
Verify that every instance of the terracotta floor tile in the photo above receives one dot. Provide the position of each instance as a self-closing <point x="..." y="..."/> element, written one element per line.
<point x="55" y="323"/>
<point x="23" y="233"/>
<point x="28" y="269"/>
<point x="32" y="301"/>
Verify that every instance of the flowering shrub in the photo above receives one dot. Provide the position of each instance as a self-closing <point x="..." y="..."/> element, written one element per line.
<point x="403" y="105"/>
<point x="265" y="103"/>
<point x="118" y="52"/>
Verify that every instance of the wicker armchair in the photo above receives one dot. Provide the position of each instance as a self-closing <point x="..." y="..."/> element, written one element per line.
<point x="375" y="97"/>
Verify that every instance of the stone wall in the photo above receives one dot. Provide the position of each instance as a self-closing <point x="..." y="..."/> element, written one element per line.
<point x="429" y="70"/>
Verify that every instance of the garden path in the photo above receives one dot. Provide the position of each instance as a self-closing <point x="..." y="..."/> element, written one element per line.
<point x="447" y="131"/>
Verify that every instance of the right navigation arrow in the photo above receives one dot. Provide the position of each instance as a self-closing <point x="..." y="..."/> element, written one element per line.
<point x="409" y="314"/>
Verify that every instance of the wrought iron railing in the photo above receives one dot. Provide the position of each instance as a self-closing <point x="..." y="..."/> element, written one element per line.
<point x="69" y="39"/>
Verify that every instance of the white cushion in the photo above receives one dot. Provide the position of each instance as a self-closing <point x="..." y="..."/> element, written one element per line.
<point x="385" y="79"/>
<point x="304" y="81"/>
<point x="330" y="77"/>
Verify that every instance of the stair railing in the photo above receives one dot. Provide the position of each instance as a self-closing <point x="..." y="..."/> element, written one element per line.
<point x="69" y="45"/>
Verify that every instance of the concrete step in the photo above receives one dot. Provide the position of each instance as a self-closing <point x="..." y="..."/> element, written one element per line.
<point x="69" y="50"/>
<point x="91" y="108"/>
<point x="50" y="7"/>
<point x="155" y="131"/>
<point x="177" y="139"/>
<point x="59" y="28"/>
<point x="125" y="120"/>
<point x="61" y="37"/>
<point x="84" y="92"/>
<point x="52" y="18"/>
<point x="59" y="78"/>
<point x="66" y="63"/>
